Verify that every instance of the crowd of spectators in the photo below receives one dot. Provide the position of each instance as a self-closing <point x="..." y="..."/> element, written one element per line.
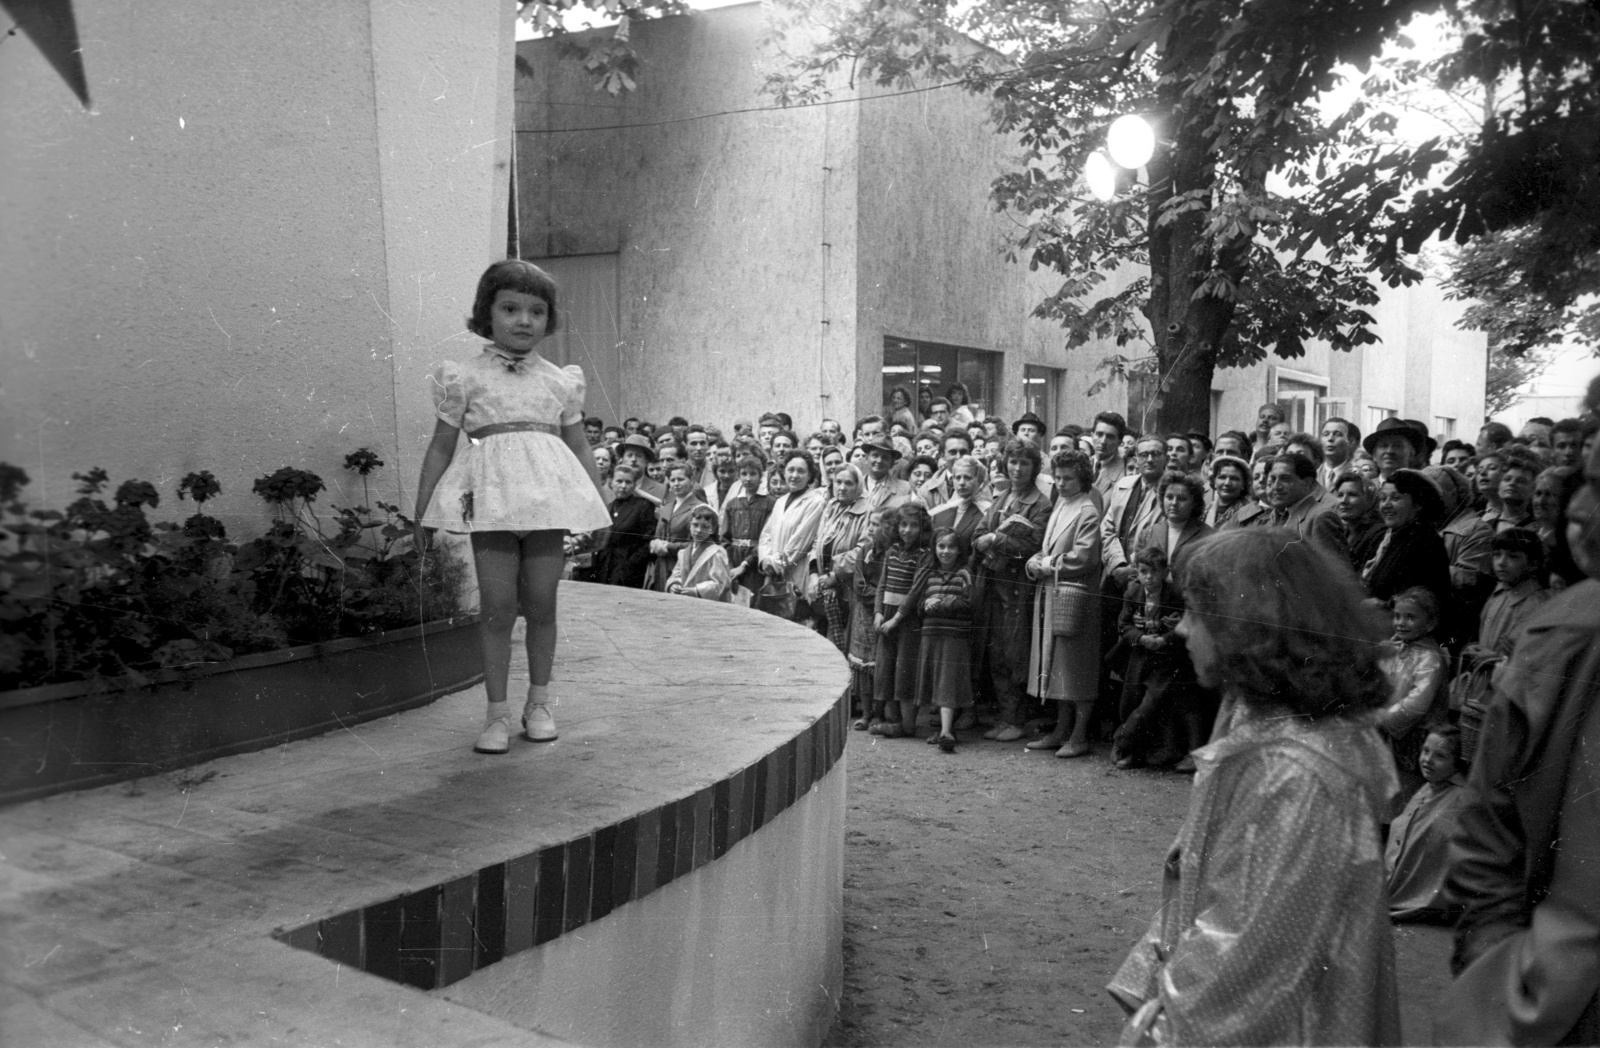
<point x="1060" y="606"/>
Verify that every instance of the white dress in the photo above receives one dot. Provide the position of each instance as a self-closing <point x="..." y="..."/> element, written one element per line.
<point x="518" y="480"/>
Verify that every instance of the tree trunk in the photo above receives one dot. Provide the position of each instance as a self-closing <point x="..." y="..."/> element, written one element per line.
<point x="1187" y="331"/>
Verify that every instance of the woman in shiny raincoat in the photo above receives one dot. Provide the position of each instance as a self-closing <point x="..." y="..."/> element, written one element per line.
<point x="1274" y="927"/>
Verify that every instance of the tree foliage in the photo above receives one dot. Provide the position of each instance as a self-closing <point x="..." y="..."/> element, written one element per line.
<point x="609" y="58"/>
<point x="1234" y="270"/>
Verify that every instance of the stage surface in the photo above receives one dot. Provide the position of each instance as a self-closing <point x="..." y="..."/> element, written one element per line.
<point x="669" y="872"/>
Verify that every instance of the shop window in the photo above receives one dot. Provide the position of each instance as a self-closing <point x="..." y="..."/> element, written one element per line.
<point x="927" y="369"/>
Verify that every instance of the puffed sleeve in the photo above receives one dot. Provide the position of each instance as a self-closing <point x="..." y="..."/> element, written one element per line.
<point x="572" y="396"/>
<point x="449" y="393"/>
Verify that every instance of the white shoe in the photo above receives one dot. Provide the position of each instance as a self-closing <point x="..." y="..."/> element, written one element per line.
<point x="537" y="723"/>
<point x="496" y="737"/>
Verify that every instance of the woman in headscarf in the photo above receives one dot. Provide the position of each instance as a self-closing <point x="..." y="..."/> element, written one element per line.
<point x="844" y="522"/>
<point x="1274" y="927"/>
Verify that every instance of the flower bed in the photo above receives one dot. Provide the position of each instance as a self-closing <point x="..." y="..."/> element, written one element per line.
<point x="82" y="734"/>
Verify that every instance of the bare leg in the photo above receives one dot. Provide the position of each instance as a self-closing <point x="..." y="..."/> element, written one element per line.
<point x="496" y="556"/>
<point x="540" y="573"/>
<point x="947" y="720"/>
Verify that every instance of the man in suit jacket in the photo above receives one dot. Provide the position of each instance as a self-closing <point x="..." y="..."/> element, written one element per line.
<point x="1292" y="505"/>
<point x="1107" y="440"/>
<point x="1132" y="510"/>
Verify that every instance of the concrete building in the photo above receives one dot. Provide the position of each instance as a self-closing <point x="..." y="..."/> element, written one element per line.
<point x="722" y="257"/>
<point x="250" y="247"/>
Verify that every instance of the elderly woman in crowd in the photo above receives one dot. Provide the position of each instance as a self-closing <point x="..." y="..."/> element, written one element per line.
<point x="1355" y="500"/>
<point x="839" y="532"/>
<point x="1411" y="553"/>
<point x="1064" y="656"/>
<point x="1466" y="543"/>
<point x="1230" y="490"/>
<point x="1275" y="927"/>
<point x="791" y="531"/>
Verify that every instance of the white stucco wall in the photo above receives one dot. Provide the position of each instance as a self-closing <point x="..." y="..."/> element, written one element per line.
<point x="746" y="950"/>
<point x="243" y="255"/>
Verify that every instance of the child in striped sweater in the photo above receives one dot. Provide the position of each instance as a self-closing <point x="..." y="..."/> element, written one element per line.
<point x="944" y="598"/>
<point x="899" y="623"/>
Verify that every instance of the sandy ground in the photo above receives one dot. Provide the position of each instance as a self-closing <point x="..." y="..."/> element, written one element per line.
<point x="991" y="894"/>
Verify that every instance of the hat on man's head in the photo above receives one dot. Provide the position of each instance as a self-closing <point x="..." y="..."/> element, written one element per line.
<point x="641" y="443"/>
<point x="1029" y="417"/>
<point x="1391" y="426"/>
<point x="1422" y="427"/>
<point x="880" y="442"/>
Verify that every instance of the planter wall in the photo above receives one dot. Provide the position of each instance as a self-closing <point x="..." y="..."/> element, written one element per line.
<point x="74" y="736"/>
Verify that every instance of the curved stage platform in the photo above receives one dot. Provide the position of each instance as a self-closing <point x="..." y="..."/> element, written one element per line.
<point x="669" y="872"/>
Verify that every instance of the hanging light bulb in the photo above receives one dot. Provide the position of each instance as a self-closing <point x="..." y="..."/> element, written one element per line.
<point x="1100" y="175"/>
<point x="1132" y="141"/>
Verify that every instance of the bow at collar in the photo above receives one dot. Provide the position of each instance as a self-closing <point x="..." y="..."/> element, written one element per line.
<point x="510" y="361"/>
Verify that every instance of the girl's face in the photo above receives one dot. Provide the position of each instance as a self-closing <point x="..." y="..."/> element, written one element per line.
<point x="1457" y="458"/>
<point x="1178" y="504"/>
<point x="700" y="529"/>
<point x="725" y="473"/>
<point x="1149" y="577"/>
<point x="1510" y="566"/>
<point x="1516" y="486"/>
<point x="947" y="550"/>
<point x="956" y="396"/>
<point x="1019" y="470"/>
<point x="796" y="473"/>
<point x="751" y="479"/>
<point x="846" y="488"/>
<point x="1228" y="484"/>
<point x="920" y="475"/>
<point x="1410" y="622"/>
<point x="622" y="485"/>
<point x="1258" y="478"/>
<point x="678" y="483"/>
<point x="1396" y="509"/>
<point x="927" y="447"/>
<point x="832" y="459"/>
<point x="655" y="470"/>
<point x="910" y="532"/>
<point x="517" y="320"/>
<point x="964" y="482"/>
<point x="1350" y="501"/>
<point x="858" y="458"/>
<point x="1066" y="481"/>
<point x="1438" y="760"/>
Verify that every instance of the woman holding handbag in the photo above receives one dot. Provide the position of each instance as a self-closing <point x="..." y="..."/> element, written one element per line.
<point x="787" y="538"/>
<point x="843" y="523"/>
<point x="1064" y="658"/>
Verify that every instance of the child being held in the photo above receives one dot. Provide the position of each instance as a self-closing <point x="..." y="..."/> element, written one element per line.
<point x="944" y="600"/>
<point x="1159" y="680"/>
<point x="1415" y="666"/>
<point x="1418" y="853"/>
<point x="702" y="568"/>
<point x="899" y="622"/>
<point x="1517" y="558"/>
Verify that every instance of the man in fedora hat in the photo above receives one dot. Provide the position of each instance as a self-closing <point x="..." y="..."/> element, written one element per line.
<point x="638" y="453"/>
<point x="1395" y="445"/>
<point x="1429" y="445"/>
<point x="883" y="491"/>
<point x="1029" y="427"/>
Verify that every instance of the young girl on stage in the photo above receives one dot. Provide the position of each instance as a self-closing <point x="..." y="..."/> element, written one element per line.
<point x="522" y="479"/>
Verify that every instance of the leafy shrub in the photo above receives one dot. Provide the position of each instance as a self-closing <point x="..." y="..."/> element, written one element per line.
<point x="97" y="591"/>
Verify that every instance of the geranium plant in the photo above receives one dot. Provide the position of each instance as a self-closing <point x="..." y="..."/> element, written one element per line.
<point x="98" y="591"/>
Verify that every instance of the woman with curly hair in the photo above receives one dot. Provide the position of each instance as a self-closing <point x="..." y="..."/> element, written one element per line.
<point x="1275" y="926"/>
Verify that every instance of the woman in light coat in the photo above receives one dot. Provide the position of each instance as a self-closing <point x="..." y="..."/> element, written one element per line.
<point x="1066" y="669"/>
<point x="833" y="558"/>
<point x="791" y="531"/>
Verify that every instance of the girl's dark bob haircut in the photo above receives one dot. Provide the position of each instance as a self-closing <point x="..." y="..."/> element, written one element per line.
<point x="511" y="274"/>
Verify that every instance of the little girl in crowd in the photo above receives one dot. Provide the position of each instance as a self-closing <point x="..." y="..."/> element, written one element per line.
<point x="523" y="478"/>
<point x="899" y="623"/>
<point x="702" y="569"/>
<point x="1415" y="667"/>
<point x="944" y="678"/>
<point x="1417" y="856"/>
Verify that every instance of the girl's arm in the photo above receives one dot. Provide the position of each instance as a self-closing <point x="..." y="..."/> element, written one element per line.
<point x="441" y="449"/>
<point x="572" y="436"/>
<point x="680" y="571"/>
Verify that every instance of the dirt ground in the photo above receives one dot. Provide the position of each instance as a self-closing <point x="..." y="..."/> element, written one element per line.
<point x="991" y="894"/>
